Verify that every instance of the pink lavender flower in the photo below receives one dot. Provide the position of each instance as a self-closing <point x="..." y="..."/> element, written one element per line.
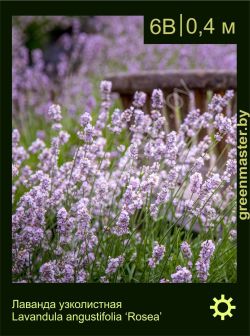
<point x="121" y="227"/>
<point x="233" y="235"/>
<point x="56" y="127"/>
<point x="116" y="122"/>
<point x="81" y="276"/>
<point x="164" y="280"/>
<point x="68" y="273"/>
<point x="14" y="170"/>
<point x="157" y="255"/>
<point x="223" y="124"/>
<point x="198" y="164"/>
<point x="85" y="119"/>
<point x="231" y="169"/>
<point x="113" y="264"/>
<point x="36" y="146"/>
<point x="218" y="102"/>
<point x="209" y="186"/>
<point x="103" y="279"/>
<point x="186" y="250"/>
<point x="157" y="99"/>
<point x="15" y="137"/>
<point x="21" y="259"/>
<point x="195" y="183"/>
<point x="121" y="148"/>
<point x="203" y="263"/>
<point x="106" y="87"/>
<point x="207" y="249"/>
<point x="182" y="275"/>
<point x="48" y="272"/>
<point x="139" y="99"/>
<point x="88" y="133"/>
<point x="133" y="151"/>
<point x="62" y="215"/>
<point x="54" y="113"/>
<point x="31" y="236"/>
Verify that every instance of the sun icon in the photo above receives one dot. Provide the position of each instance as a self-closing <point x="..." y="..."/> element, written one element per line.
<point x="222" y="302"/>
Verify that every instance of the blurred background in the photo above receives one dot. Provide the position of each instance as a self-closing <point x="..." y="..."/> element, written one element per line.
<point x="59" y="59"/>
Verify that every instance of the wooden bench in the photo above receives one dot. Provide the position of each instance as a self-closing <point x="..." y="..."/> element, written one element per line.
<point x="183" y="91"/>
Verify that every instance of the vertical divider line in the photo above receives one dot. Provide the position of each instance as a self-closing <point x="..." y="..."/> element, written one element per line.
<point x="181" y="23"/>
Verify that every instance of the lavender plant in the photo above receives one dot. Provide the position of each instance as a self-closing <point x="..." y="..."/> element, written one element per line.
<point x="121" y="198"/>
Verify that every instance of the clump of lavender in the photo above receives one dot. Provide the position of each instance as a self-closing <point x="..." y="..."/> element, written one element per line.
<point x="90" y="206"/>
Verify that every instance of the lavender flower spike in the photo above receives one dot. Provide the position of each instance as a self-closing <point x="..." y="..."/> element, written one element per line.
<point x="186" y="250"/>
<point x="157" y="99"/>
<point x="182" y="275"/>
<point x="139" y="99"/>
<point x="113" y="264"/>
<point x="203" y="263"/>
<point x="54" y="113"/>
<point x="195" y="182"/>
<point x="157" y="255"/>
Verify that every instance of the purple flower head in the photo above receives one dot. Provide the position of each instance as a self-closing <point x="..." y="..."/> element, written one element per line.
<point x="210" y="185"/>
<point x="202" y="268"/>
<point x="203" y="263"/>
<point x="88" y="133"/>
<point x="15" y="137"/>
<point x="81" y="276"/>
<point x="233" y="235"/>
<point x="231" y="169"/>
<point x="182" y="275"/>
<point x="157" y="99"/>
<point x="61" y="220"/>
<point x="139" y="99"/>
<point x="85" y="119"/>
<point x="133" y="151"/>
<point x="63" y="137"/>
<point x="207" y="249"/>
<point x="31" y="236"/>
<point x="36" y="146"/>
<point x="113" y="264"/>
<point x="186" y="250"/>
<point x="56" y="127"/>
<point x="48" y="272"/>
<point x="54" y="113"/>
<point x="68" y="273"/>
<point x="103" y="279"/>
<point x="157" y="255"/>
<point x="14" y="170"/>
<point x="195" y="182"/>
<point x="122" y="224"/>
<point x="164" y="281"/>
<point x="106" y="87"/>
<point x="127" y="114"/>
